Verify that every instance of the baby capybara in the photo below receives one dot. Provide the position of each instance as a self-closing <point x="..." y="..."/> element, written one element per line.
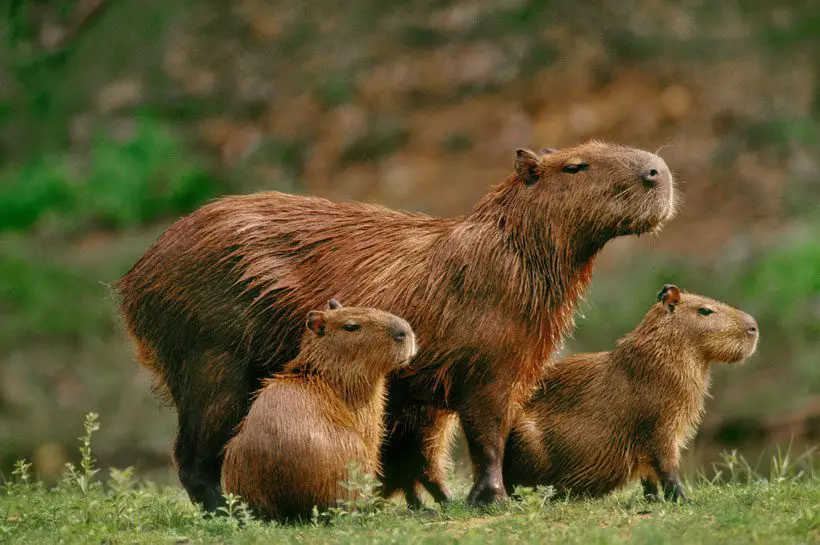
<point x="322" y="413"/>
<point x="600" y="420"/>
<point x="217" y="303"/>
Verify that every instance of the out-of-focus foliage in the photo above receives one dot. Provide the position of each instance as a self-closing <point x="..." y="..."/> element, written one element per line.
<point x="128" y="184"/>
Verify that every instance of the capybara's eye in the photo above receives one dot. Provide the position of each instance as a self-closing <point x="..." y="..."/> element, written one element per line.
<point x="351" y="327"/>
<point x="575" y="168"/>
<point x="703" y="311"/>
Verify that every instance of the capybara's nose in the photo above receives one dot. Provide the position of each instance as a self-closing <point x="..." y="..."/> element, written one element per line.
<point x="651" y="177"/>
<point x="751" y="326"/>
<point x="398" y="333"/>
<point x="654" y="172"/>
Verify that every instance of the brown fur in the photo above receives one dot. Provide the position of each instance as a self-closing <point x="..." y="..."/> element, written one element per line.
<point x="322" y="413"/>
<point x="489" y="295"/>
<point x="600" y="420"/>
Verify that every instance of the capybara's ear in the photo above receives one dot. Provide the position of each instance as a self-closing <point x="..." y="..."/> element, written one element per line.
<point x="316" y="322"/>
<point x="547" y="151"/>
<point x="526" y="166"/>
<point x="670" y="296"/>
<point x="333" y="304"/>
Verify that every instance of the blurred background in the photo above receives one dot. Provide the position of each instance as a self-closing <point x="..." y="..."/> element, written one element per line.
<point x="118" y="116"/>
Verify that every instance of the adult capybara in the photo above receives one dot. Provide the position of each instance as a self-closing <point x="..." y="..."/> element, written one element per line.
<point x="322" y="413"/>
<point x="217" y="303"/>
<point x="598" y="421"/>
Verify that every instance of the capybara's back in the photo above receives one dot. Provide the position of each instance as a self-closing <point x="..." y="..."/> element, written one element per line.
<point x="600" y="420"/>
<point x="319" y="416"/>
<point x="217" y="303"/>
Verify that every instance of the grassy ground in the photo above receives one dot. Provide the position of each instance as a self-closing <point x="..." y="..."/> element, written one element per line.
<point x="781" y="508"/>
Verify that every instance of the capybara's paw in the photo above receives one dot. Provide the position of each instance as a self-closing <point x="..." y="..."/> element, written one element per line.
<point x="485" y="493"/>
<point x="652" y="497"/>
<point x="423" y="510"/>
<point x="676" y="494"/>
<point x="440" y="492"/>
<point x="414" y="502"/>
<point x="681" y="498"/>
<point x="203" y="492"/>
<point x="213" y="501"/>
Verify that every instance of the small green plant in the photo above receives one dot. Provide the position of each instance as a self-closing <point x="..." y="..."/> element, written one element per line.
<point x="735" y="467"/>
<point x="83" y="477"/>
<point x="121" y="481"/>
<point x="786" y="468"/>
<point x="783" y="468"/>
<point x="532" y="499"/>
<point x="236" y="510"/>
<point x="22" y="472"/>
<point x="363" y="499"/>
<point x="20" y="482"/>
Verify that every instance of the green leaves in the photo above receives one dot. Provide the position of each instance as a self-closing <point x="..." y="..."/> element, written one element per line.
<point x="119" y="185"/>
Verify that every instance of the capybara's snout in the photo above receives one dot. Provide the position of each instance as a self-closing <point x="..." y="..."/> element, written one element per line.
<point x="753" y="332"/>
<point x="751" y="326"/>
<point x="655" y="176"/>
<point x="401" y="333"/>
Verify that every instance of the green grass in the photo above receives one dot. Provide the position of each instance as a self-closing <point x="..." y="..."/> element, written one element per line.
<point x="783" y="508"/>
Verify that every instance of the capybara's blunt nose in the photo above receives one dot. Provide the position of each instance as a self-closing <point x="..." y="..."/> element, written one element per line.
<point x="398" y="333"/>
<point x="751" y="326"/>
<point x="654" y="172"/>
<point x="651" y="177"/>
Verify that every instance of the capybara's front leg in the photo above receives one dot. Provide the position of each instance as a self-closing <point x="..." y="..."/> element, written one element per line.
<point x="211" y="401"/>
<point x="486" y="452"/>
<point x="486" y="423"/>
<point x="665" y="462"/>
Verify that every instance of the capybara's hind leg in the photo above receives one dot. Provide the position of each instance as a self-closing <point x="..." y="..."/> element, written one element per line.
<point x="412" y="497"/>
<point x="415" y="452"/>
<point x="217" y="396"/>
<point x="400" y="455"/>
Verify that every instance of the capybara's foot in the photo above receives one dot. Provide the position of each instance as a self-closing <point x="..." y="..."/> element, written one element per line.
<point x="413" y="499"/>
<point x="673" y="491"/>
<point x="677" y="495"/>
<point x="441" y="494"/>
<point x="654" y="498"/>
<point x="209" y="496"/>
<point x="211" y="500"/>
<point x="421" y="509"/>
<point x="415" y="503"/>
<point x="485" y="492"/>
